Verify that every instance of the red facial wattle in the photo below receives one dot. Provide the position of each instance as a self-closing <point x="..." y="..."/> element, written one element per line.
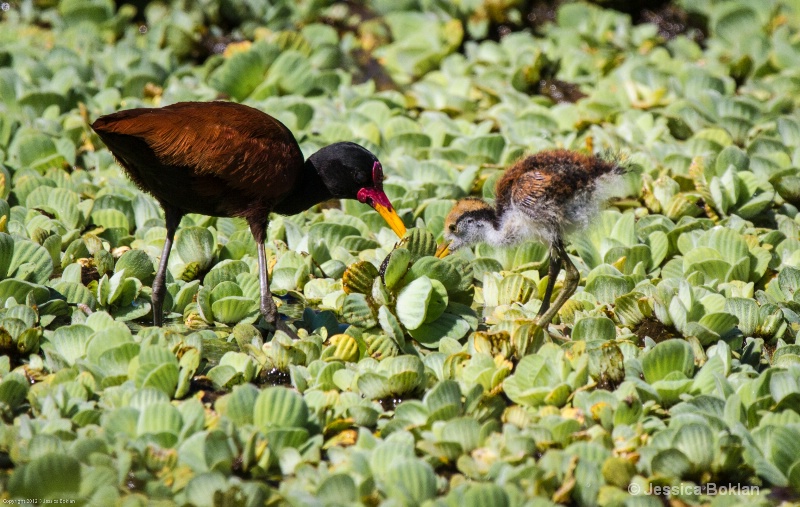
<point x="375" y="197"/>
<point x="377" y="175"/>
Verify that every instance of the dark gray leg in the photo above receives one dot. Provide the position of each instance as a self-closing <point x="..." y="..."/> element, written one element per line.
<point x="571" y="282"/>
<point x="173" y="219"/>
<point x="268" y="308"/>
<point x="552" y="274"/>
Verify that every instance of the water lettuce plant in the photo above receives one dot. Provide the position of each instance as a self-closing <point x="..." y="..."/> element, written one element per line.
<point x="414" y="380"/>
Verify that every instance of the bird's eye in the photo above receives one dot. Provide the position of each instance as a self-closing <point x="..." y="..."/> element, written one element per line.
<point x="369" y="201"/>
<point x="452" y="227"/>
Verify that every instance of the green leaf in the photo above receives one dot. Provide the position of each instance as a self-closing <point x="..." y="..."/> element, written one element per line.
<point x="480" y="494"/>
<point x="50" y="476"/>
<point x="594" y="328"/>
<point x="232" y="309"/>
<point x="136" y="264"/>
<point x="111" y="219"/>
<point x="33" y="255"/>
<point x="391" y="326"/>
<point x="6" y="253"/>
<point x="396" y="267"/>
<point x="532" y="380"/>
<point x="195" y="244"/>
<point x="290" y="73"/>
<point x="278" y="407"/>
<point x="784" y="448"/>
<point x="447" y="325"/>
<point x="244" y="71"/>
<point x="357" y="311"/>
<point x="697" y="443"/>
<point x="411" y="480"/>
<point x="36" y="151"/>
<point x="62" y="201"/>
<point x="671" y="463"/>
<point x="160" y="417"/>
<point x="435" y="269"/>
<point x="359" y="277"/>
<point x="19" y="290"/>
<point x="607" y="288"/>
<point x="13" y="391"/>
<point x="239" y="405"/>
<point x="736" y="22"/>
<point x="337" y="489"/>
<point x="420" y="243"/>
<point x="515" y="289"/>
<point x="163" y="377"/>
<point x="412" y="302"/>
<point x="71" y="341"/>
<point x="719" y="322"/>
<point x="746" y="311"/>
<point x="466" y="431"/>
<point x="667" y="357"/>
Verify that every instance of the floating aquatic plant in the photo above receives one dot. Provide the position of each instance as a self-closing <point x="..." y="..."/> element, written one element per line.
<point x="415" y="380"/>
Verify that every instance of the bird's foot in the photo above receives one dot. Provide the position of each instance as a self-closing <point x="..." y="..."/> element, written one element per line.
<point x="269" y="311"/>
<point x="280" y="325"/>
<point x="538" y="324"/>
<point x="552" y="332"/>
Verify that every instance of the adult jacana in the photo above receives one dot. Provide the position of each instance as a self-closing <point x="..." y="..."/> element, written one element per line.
<point x="543" y="197"/>
<point x="229" y="160"/>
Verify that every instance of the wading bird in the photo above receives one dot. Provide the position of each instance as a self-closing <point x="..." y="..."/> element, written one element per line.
<point x="542" y="197"/>
<point x="229" y="160"/>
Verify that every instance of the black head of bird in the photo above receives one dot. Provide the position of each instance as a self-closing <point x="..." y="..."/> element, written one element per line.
<point x="350" y="171"/>
<point x="230" y="160"/>
<point x="542" y="197"/>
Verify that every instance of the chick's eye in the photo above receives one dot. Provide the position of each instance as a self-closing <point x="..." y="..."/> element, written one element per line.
<point x="452" y="227"/>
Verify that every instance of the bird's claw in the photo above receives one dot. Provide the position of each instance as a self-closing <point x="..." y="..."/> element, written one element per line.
<point x="283" y="326"/>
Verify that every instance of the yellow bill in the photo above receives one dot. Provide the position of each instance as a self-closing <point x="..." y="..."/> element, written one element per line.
<point x="443" y="250"/>
<point x="392" y="219"/>
<point x="375" y="197"/>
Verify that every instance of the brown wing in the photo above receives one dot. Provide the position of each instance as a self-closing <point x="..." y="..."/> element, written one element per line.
<point x="551" y="177"/>
<point x="524" y="184"/>
<point x="217" y="150"/>
<point x="532" y="188"/>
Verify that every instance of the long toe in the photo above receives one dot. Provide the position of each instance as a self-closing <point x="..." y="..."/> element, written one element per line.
<point x="283" y="326"/>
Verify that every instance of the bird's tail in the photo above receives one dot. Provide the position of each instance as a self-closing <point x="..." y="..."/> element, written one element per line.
<point x="611" y="167"/>
<point x="613" y="162"/>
